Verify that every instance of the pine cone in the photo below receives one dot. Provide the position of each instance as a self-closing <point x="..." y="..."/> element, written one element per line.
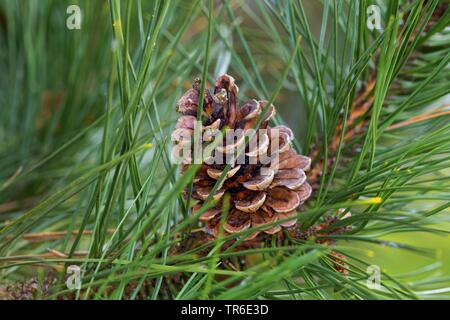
<point x="261" y="191"/>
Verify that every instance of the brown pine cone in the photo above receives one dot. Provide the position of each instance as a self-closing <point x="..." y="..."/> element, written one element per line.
<point x="266" y="183"/>
<point x="340" y="262"/>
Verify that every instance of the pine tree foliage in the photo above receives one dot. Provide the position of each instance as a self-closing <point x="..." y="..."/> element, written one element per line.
<point x="86" y="177"/>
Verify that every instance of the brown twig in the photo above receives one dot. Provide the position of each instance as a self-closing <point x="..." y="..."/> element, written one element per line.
<point x="54" y="235"/>
<point x="19" y="204"/>
<point x="355" y="125"/>
<point x="421" y="117"/>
